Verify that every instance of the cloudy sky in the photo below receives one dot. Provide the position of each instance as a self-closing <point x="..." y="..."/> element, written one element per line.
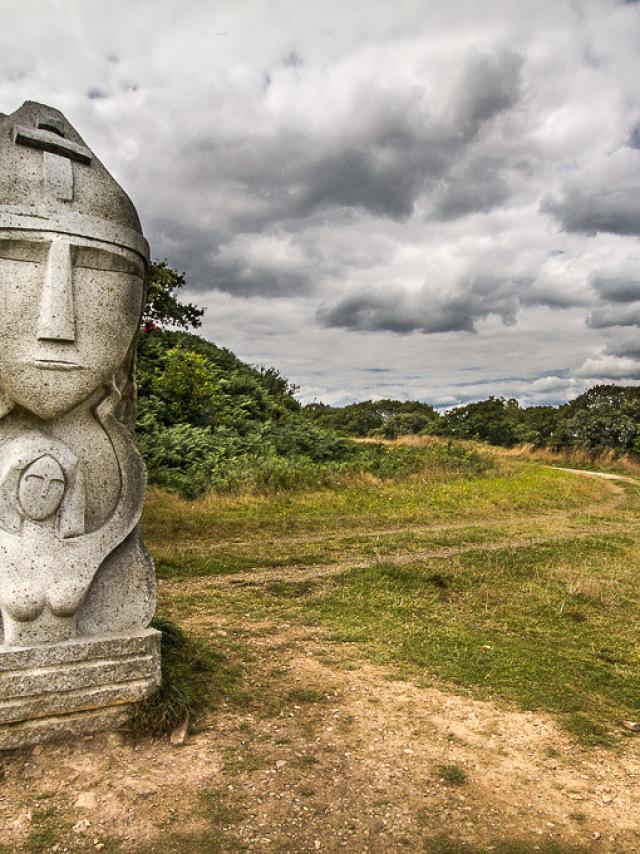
<point x="434" y="200"/>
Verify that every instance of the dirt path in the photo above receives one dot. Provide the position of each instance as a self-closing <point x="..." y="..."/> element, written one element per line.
<point x="313" y="572"/>
<point x="321" y="571"/>
<point x="599" y="474"/>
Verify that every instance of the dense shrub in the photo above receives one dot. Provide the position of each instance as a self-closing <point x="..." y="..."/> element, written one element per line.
<point x="604" y="418"/>
<point x="208" y="421"/>
<point x="494" y="420"/>
<point x="388" y="418"/>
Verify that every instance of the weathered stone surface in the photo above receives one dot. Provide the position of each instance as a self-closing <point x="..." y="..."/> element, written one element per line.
<point x="77" y="587"/>
<point x="47" y="704"/>
<point x="82" y="675"/>
<point x="48" y="729"/>
<point x="86" y="801"/>
<point x="93" y="669"/>
<point x="79" y="650"/>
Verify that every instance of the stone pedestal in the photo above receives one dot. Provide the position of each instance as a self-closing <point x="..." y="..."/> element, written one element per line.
<point x="74" y="687"/>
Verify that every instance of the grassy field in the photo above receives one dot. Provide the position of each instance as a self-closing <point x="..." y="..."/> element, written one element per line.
<point x="438" y="661"/>
<point x="516" y="582"/>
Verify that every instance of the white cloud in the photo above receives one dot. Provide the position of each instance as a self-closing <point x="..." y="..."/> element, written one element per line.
<point x="342" y="183"/>
<point x="612" y="368"/>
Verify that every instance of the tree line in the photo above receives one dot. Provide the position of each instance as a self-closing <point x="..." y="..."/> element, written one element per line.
<point x="606" y="417"/>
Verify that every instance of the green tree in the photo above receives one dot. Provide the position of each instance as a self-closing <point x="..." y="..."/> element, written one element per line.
<point x="538" y="425"/>
<point x="604" y="417"/>
<point x="389" y="418"/>
<point x="494" y="420"/>
<point x="163" y="308"/>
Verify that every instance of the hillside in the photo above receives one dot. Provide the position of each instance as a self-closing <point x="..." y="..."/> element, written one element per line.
<point x="209" y="421"/>
<point x="206" y="420"/>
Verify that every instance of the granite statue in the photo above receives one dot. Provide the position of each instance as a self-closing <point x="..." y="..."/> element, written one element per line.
<point x="77" y="586"/>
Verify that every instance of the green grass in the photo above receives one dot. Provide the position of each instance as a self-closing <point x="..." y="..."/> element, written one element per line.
<point x="194" y="677"/>
<point x="213" y="842"/>
<point x="222" y="534"/>
<point x="219" y="811"/>
<point x="244" y="760"/>
<point x="531" y="625"/>
<point x="300" y="696"/>
<point x="546" y="625"/>
<point x="204" y="842"/>
<point x="360" y="507"/>
<point x="217" y="808"/>
<point x="44" y="831"/>
<point x="452" y="775"/>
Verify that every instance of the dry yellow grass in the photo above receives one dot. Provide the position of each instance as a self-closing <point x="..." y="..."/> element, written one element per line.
<point x="606" y="460"/>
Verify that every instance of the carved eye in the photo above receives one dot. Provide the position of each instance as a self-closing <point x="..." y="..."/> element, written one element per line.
<point x="42" y="477"/>
<point x="29" y="251"/>
<point x="109" y="262"/>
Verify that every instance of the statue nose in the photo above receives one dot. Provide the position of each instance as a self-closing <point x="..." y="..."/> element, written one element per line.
<point x="56" y="321"/>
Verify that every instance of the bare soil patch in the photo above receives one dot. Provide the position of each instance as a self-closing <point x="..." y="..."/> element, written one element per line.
<point x="330" y="754"/>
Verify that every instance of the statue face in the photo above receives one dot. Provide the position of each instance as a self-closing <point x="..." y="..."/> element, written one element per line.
<point x="69" y="309"/>
<point x="41" y="488"/>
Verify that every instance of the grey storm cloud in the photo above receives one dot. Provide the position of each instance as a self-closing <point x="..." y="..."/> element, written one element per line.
<point x="617" y="289"/>
<point x="588" y="212"/>
<point x="188" y="248"/>
<point x="386" y="312"/>
<point x="475" y="187"/>
<point x="490" y="85"/>
<point x="614" y="315"/>
<point x="624" y="346"/>
<point x="239" y="277"/>
<point x="608" y="370"/>
<point x="404" y="312"/>
<point x="391" y="152"/>
<point x="604" y="197"/>
<point x="202" y="254"/>
<point x="384" y="177"/>
<point x="551" y="295"/>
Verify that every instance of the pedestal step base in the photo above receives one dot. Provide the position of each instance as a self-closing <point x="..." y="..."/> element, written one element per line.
<point x="74" y="687"/>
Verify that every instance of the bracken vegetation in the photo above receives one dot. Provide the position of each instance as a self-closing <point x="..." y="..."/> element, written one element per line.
<point x="207" y="421"/>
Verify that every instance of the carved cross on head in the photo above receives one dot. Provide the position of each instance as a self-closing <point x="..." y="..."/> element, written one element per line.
<point x="49" y="137"/>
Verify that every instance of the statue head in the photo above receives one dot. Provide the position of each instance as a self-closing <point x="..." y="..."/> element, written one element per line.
<point x="41" y="488"/>
<point x="72" y="266"/>
<point x="40" y="480"/>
